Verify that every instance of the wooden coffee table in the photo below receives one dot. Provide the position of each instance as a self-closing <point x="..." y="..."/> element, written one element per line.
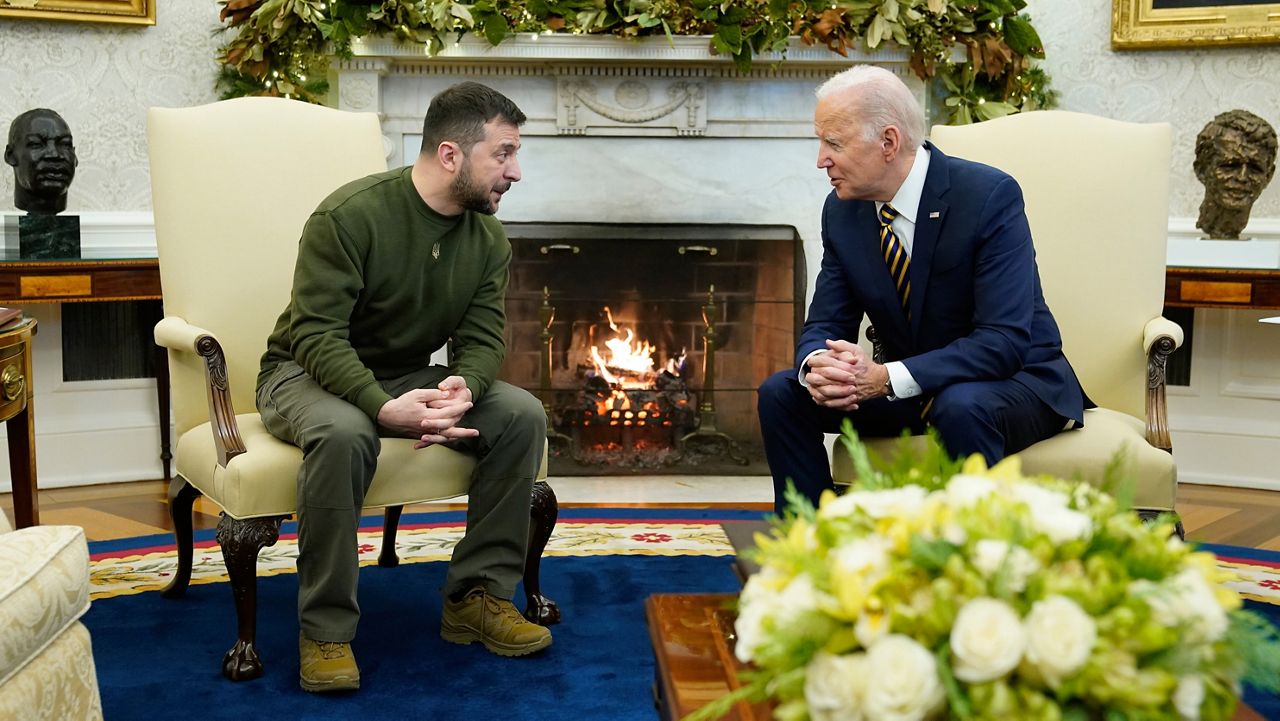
<point x="695" y="661"/>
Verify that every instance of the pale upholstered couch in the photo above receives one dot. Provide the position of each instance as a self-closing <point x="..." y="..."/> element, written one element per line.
<point x="46" y="661"/>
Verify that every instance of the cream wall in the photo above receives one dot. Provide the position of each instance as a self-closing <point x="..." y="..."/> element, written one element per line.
<point x="102" y="78"/>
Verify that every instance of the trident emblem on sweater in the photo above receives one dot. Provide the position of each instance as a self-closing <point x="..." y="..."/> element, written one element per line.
<point x="435" y="251"/>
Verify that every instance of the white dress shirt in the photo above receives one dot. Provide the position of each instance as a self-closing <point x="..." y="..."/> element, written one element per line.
<point x="907" y="202"/>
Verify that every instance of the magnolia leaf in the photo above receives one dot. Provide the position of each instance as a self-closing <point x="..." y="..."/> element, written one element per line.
<point x="937" y="7"/>
<point x="721" y="48"/>
<point x="877" y="31"/>
<point x="989" y="110"/>
<point x="496" y="28"/>
<point x="732" y="37"/>
<point x="889" y="9"/>
<point x="899" y="34"/>
<point x="463" y="13"/>
<point x="1021" y="37"/>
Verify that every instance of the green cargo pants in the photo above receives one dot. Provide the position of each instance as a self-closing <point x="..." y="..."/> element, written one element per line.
<point x="340" y="453"/>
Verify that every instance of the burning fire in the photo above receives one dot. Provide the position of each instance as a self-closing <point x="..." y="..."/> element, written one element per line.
<point x="629" y="366"/>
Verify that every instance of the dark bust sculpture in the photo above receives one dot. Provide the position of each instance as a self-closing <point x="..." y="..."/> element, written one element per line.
<point x="1235" y="159"/>
<point x="43" y="159"/>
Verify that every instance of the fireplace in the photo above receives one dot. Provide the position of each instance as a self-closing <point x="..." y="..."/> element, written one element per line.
<point x="634" y="151"/>
<point x="614" y="327"/>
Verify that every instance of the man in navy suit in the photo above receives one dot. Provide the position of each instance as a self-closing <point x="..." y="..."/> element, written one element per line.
<point x="937" y="253"/>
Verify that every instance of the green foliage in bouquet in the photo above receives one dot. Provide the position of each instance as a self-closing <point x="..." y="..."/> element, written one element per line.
<point x="282" y="47"/>
<point x="939" y="589"/>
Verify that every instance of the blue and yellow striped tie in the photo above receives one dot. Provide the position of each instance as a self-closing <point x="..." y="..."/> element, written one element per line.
<point x="895" y="256"/>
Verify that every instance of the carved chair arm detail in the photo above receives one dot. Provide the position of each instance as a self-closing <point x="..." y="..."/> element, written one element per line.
<point x="1157" y="407"/>
<point x="226" y="434"/>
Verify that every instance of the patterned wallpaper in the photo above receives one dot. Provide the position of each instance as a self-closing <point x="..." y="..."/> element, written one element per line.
<point x="101" y="78"/>
<point x="1183" y="87"/>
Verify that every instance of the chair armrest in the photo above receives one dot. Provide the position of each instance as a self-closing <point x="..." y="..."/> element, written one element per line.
<point x="178" y="335"/>
<point x="1160" y="338"/>
<point x="174" y="333"/>
<point x="1158" y="328"/>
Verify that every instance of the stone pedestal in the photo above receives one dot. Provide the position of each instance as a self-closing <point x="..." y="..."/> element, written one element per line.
<point x="42" y="237"/>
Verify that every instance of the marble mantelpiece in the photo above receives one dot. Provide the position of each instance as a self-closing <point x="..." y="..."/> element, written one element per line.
<point x="629" y="131"/>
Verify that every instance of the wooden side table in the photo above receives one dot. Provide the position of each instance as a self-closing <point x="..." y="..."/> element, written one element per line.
<point x="91" y="280"/>
<point x="17" y="410"/>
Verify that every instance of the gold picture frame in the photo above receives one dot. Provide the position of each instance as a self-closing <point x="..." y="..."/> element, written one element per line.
<point x="1142" y="24"/>
<point x="126" y="12"/>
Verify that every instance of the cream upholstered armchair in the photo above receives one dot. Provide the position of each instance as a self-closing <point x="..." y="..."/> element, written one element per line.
<point x="1096" y="195"/>
<point x="233" y="183"/>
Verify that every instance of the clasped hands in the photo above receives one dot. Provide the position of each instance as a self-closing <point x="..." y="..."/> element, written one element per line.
<point x="430" y="414"/>
<point x="844" y="376"/>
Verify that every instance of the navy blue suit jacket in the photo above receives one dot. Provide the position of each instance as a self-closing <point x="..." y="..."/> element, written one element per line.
<point x="977" y="310"/>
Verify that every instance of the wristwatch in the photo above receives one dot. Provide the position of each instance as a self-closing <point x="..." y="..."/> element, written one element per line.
<point x="888" y="387"/>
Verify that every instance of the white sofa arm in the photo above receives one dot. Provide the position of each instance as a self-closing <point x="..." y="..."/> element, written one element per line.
<point x="175" y="333"/>
<point x="1158" y="328"/>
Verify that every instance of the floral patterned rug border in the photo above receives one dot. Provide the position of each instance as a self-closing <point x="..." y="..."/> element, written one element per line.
<point x="129" y="572"/>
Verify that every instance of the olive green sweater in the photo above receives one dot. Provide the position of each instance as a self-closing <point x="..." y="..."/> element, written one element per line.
<point x="371" y="300"/>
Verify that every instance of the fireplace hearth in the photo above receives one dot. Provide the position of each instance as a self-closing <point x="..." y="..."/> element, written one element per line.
<point x="646" y="342"/>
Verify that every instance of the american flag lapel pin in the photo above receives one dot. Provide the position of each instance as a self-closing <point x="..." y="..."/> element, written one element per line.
<point x="935" y="214"/>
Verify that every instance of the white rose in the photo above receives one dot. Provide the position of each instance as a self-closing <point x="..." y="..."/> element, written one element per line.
<point x="987" y="640"/>
<point x="1060" y="638"/>
<point x="964" y="490"/>
<point x="902" y="681"/>
<point x="1050" y="514"/>
<point x="1034" y="495"/>
<point x="1188" y="601"/>
<point x="1015" y="562"/>
<point x="1189" y="697"/>
<point x="868" y="557"/>
<point x="834" y="687"/>
<point x="904" y="501"/>
<point x="954" y="534"/>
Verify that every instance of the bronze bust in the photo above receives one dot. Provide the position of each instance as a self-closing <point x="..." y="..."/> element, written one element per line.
<point x="1235" y="159"/>
<point x="43" y="159"/>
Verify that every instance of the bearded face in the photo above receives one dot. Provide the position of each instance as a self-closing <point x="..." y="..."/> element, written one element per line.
<point x="476" y="194"/>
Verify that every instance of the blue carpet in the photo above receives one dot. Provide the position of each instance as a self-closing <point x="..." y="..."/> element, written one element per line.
<point x="159" y="658"/>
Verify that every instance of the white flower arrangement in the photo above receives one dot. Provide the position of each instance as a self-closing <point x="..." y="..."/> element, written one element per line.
<point x="949" y="590"/>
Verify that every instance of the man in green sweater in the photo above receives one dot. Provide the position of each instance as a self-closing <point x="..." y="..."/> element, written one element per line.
<point x="389" y="268"/>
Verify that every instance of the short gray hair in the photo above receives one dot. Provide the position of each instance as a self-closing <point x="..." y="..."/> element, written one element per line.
<point x="882" y="100"/>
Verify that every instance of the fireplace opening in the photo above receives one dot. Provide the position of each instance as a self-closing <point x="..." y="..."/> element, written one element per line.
<point x="646" y="343"/>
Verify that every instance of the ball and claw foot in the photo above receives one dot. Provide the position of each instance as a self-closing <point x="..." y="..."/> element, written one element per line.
<point x="542" y="611"/>
<point x="241" y="663"/>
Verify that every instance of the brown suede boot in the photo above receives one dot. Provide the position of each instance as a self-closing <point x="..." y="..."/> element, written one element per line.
<point x="326" y="666"/>
<point x="492" y="621"/>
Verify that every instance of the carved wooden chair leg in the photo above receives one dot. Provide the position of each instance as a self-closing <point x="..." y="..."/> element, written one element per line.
<point x="544" y="509"/>
<point x="241" y="539"/>
<point x="181" y="496"/>
<point x="387" y="557"/>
